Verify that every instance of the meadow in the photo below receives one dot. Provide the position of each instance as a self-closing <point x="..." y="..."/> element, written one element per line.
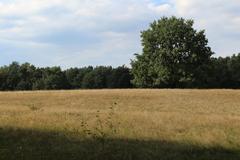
<point x="126" y="124"/>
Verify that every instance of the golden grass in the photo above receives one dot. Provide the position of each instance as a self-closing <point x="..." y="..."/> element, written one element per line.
<point x="199" y="117"/>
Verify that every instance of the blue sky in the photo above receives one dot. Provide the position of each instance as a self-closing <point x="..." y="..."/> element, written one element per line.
<point x="75" y="33"/>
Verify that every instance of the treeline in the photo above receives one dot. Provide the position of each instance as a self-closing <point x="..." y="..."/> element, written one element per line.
<point x="224" y="72"/>
<point x="28" y="77"/>
<point x="174" y="55"/>
<point x="221" y="73"/>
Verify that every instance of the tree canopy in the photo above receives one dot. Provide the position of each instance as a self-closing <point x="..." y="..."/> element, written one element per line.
<point x="174" y="55"/>
<point x="29" y="77"/>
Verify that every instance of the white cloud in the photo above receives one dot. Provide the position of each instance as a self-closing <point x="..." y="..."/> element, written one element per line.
<point x="81" y="32"/>
<point x="38" y="16"/>
<point x="159" y="8"/>
<point x="111" y="28"/>
<point x="220" y="18"/>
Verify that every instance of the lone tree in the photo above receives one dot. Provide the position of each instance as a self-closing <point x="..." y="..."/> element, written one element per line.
<point x="174" y="55"/>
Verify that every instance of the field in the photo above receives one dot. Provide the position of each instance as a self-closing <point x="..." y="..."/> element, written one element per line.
<point x="120" y="124"/>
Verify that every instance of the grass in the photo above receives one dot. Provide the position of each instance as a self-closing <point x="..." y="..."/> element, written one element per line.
<point x="120" y="124"/>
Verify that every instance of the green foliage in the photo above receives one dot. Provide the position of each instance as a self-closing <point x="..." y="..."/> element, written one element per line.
<point x="174" y="55"/>
<point x="97" y="78"/>
<point x="120" y="78"/>
<point x="26" y="72"/>
<point x="75" y="76"/>
<point x="107" y="77"/>
<point x="28" y="77"/>
<point x="12" y="77"/>
<point x="225" y="72"/>
<point x="54" y="78"/>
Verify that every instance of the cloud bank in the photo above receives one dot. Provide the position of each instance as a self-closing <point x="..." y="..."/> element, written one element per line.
<point x="72" y="33"/>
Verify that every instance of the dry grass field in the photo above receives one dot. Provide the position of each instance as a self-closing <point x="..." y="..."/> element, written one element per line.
<point x="120" y="124"/>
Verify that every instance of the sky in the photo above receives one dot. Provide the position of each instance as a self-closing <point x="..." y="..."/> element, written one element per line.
<point x="76" y="33"/>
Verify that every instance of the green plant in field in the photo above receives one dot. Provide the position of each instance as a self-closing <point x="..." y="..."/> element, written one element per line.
<point x="104" y="128"/>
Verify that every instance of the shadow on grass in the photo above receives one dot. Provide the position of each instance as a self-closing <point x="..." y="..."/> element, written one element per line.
<point x="18" y="144"/>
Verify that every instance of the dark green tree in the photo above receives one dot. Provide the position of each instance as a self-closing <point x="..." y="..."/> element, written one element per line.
<point x="26" y="73"/>
<point x="75" y="76"/>
<point x="235" y="71"/>
<point x="54" y="78"/>
<point x="174" y="55"/>
<point x="88" y="81"/>
<point x="71" y="75"/>
<point x="13" y="76"/>
<point x="219" y="73"/>
<point x="28" y="77"/>
<point x="98" y="78"/>
<point x="3" y="78"/>
<point x="120" y="78"/>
